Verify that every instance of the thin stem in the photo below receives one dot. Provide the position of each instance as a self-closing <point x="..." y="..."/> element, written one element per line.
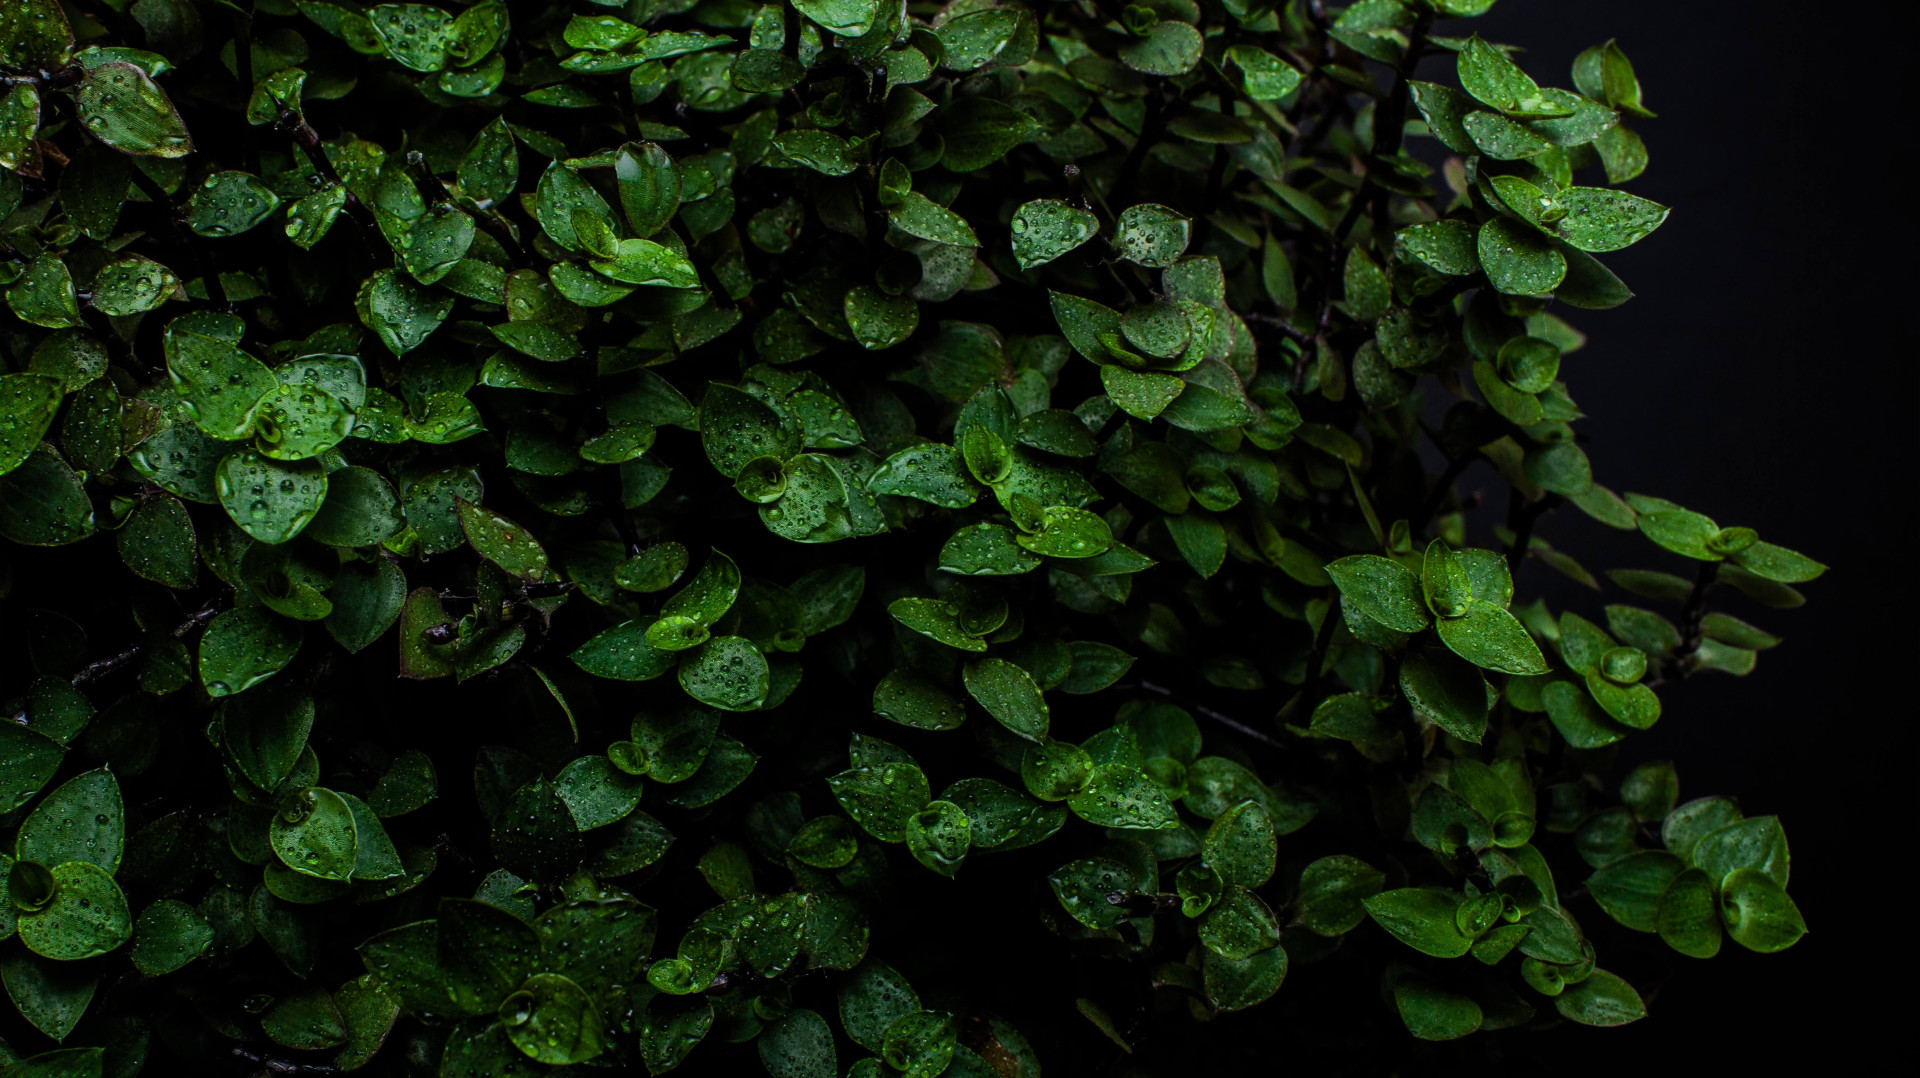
<point x="1696" y="608"/>
<point x="1286" y="328"/>
<point x="1521" y="519"/>
<point x="100" y="668"/>
<point x="268" y="1065"/>
<point x="1150" y="131"/>
<point x="1322" y="641"/>
<point x="188" y="242"/>
<point x="1208" y="713"/>
<point x="1437" y="497"/>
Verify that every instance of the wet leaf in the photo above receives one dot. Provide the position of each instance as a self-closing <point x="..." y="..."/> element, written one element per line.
<point x="121" y="106"/>
<point x="1045" y="229"/>
<point x="28" y="403"/>
<point x="270" y="500"/>
<point x="229" y="203"/>
<point x="1009" y="695"/>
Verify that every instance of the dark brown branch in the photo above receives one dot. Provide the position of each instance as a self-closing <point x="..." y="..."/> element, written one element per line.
<point x="100" y="668"/>
<point x="265" y="1064"/>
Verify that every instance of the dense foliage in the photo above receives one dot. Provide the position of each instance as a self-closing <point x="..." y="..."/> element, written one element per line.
<point x="620" y="533"/>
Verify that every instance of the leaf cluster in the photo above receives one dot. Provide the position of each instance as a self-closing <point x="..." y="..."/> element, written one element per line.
<point x="562" y="534"/>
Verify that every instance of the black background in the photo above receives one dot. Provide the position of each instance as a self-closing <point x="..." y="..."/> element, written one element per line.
<point x="1755" y="377"/>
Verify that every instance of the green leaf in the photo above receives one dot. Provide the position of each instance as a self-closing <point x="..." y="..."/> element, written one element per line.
<point x="490" y="168"/>
<point x="1233" y="985"/>
<point x="229" y="203"/>
<point x="1688" y="919"/>
<point x="264" y="734"/>
<point x="882" y="798"/>
<point x="402" y="312"/>
<point x="270" y="500"/>
<point x="919" y="216"/>
<point x="622" y="653"/>
<point x="44" y="295"/>
<point x="1446" y="691"/>
<point x="27" y="761"/>
<point x="1757" y="843"/>
<point x="1489" y="637"/>
<point x="979" y="130"/>
<point x="1519" y="261"/>
<point x="1603" y="999"/>
<point x="1119" y="795"/>
<point x="1095" y="666"/>
<point x="1777" y="563"/>
<point x="552" y="1020"/>
<point x="912" y="699"/>
<point x="1066" y="532"/>
<point x="35" y="35"/>
<point x="726" y="672"/>
<point x="938" y="836"/>
<point x="433" y="245"/>
<point x="645" y="262"/>
<point x="28" y="403"/>
<point x="1432" y="1013"/>
<point x="1151" y="234"/>
<point x="295" y="422"/>
<point x="1333" y="891"/>
<point x="1045" y="229"/>
<point x="936" y="620"/>
<point x="1758" y="914"/>
<point x="1447" y="247"/>
<point x="1239" y="845"/>
<point x="1009" y="695"/>
<point x="121" y="106"/>
<point x="168" y="935"/>
<point x="736" y="427"/>
<point x="133" y="285"/>
<point x="880" y="321"/>
<point x="986" y="550"/>
<point x="310" y="218"/>
<point x="1631" y="889"/>
<point x="1239" y="925"/>
<point x="799" y="1046"/>
<point x="824" y="842"/>
<point x="307" y="1020"/>
<point x="1487" y="74"/>
<point x="51" y="996"/>
<point x="1422" y="918"/>
<point x="871" y="1000"/>
<point x="1167" y="48"/>
<point x="596" y="792"/>
<point x="821" y="151"/>
<point x="1141" y="394"/>
<point x="219" y="384"/>
<point x="1382" y="589"/>
<point x="1600" y="219"/>
<point x="243" y="647"/>
<point x="313" y="833"/>
<point x="85" y="916"/>
<point x="414" y="34"/>
<point x="846" y="18"/>
<point x="484" y="954"/>
<point x="1266" y="77"/>
<point x="42" y="503"/>
<point x="977" y="38"/>
<point x="1083" y="886"/>
<point x="502" y="542"/>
